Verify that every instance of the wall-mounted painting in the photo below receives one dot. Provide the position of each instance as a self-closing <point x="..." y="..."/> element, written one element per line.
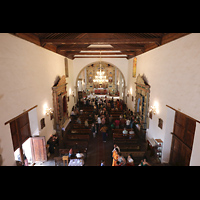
<point x="160" y="123"/>
<point x="134" y="67"/>
<point x="66" y="68"/>
<point x="42" y="123"/>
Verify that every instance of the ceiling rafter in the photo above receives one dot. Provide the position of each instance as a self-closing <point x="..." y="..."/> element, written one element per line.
<point x="71" y="44"/>
<point x="99" y="41"/>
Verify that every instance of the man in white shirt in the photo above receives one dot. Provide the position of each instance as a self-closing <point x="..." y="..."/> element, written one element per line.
<point x="125" y="132"/>
<point x="128" y="123"/>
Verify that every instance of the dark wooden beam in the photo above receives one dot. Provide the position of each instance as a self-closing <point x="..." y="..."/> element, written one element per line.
<point x="100" y="41"/>
<point x="67" y="48"/>
<point x="100" y="57"/>
<point x="110" y="53"/>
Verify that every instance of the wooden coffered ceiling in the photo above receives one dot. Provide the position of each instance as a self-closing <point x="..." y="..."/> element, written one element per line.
<point x="109" y="45"/>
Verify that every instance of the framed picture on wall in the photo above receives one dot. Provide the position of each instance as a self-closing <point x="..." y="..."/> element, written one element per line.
<point x="160" y="123"/>
<point x="66" y="68"/>
<point x="150" y="114"/>
<point x="42" y="123"/>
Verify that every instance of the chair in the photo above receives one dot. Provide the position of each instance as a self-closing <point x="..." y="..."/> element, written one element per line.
<point x="65" y="158"/>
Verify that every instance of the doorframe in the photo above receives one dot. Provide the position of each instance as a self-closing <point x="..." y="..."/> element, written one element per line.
<point x="18" y="136"/>
<point x="172" y="135"/>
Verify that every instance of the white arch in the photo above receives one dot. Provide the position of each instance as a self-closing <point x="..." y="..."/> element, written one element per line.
<point x="98" y="62"/>
<point x="94" y="62"/>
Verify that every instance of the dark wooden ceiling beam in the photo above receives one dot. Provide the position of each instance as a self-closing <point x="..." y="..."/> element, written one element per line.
<point x="67" y="48"/>
<point x="89" y="56"/>
<point x="110" y="53"/>
<point x="100" y="41"/>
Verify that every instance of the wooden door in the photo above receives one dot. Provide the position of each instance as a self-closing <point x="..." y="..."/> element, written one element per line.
<point x="20" y="132"/>
<point x="38" y="146"/>
<point x="182" y="140"/>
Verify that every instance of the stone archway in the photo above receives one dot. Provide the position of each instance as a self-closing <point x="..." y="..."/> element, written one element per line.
<point x="116" y="78"/>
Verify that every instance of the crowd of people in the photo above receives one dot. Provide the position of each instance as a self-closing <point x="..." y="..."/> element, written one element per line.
<point x="119" y="160"/>
<point x="102" y="119"/>
<point x="103" y="122"/>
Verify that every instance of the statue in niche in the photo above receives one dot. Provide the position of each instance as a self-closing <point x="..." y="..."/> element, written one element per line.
<point x="138" y="105"/>
<point x="142" y="100"/>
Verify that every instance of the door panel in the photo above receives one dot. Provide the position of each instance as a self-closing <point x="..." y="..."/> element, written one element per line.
<point x="38" y="146"/>
<point x="182" y="140"/>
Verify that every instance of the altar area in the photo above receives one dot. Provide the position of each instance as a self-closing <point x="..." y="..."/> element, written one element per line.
<point x="103" y="91"/>
<point x="92" y="96"/>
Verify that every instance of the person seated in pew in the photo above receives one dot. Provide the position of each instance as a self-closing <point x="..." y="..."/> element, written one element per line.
<point x="144" y="163"/>
<point x="121" y="159"/>
<point x="130" y="161"/>
<point x="79" y="120"/>
<point x="131" y="131"/>
<point x="125" y="132"/>
<point x="80" y="155"/>
<point x="86" y="123"/>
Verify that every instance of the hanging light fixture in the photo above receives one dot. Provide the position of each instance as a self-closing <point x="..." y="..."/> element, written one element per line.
<point x="100" y="78"/>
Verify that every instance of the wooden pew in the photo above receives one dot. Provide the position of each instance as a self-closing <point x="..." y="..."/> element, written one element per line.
<point x="137" y="155"/>
<point x="130" y="147"/>
<point x="125" y="141"/>
<point x="121" y="136"/>
<point x="80" y="131"/>
<point x="119" y="130"/>
<point x="76" y="144"/>
<point x="62" y="152"/>
<point x="77" y="137"/>
<point x="80" y="126"/>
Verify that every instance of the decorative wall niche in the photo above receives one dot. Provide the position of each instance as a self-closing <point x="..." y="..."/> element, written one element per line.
<point x="142" y="100"/>
<point x="60" y="104"/>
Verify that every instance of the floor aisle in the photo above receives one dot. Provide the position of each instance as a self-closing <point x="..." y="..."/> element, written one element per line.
<point x="99" y="150"/>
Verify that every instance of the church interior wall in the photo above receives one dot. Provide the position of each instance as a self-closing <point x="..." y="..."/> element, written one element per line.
<point x="27" y="73"/>
<point x="173" y="72"/>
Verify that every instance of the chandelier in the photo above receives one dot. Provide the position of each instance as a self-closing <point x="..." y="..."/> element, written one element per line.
<point x="100" y="78"/>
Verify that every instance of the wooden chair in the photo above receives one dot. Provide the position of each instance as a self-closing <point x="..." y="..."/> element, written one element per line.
<point x="65" y="158"/>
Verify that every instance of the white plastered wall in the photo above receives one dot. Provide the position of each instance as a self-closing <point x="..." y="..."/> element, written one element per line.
<point x="27" y="73"/>
<point x="173" y="73"/>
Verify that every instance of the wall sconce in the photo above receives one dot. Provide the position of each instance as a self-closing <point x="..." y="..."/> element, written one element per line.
<point x="131" y="92"/>
<point x="49" y="111"/>
<point x="154" y="108"/>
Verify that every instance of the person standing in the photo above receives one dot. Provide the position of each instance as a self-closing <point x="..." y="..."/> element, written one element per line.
<point x="115" y="157"/>
<point x="98" y="122"/>
<point x="94" y="130"/>
<point x="104" y="130"/>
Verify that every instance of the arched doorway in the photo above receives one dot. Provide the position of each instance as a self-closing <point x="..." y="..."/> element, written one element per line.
<point x="113" y="83"/>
